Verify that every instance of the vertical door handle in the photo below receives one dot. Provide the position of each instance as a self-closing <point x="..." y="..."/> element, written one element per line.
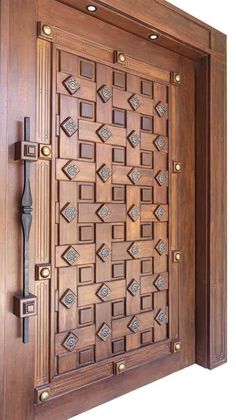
<point x="25" y="302"/>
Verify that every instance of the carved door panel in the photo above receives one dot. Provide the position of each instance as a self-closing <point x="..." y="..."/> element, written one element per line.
<point x="110" y="300"/>
<point x="112" y="216"/>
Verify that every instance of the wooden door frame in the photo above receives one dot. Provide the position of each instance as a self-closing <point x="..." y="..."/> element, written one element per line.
<point x="196" y="40"/>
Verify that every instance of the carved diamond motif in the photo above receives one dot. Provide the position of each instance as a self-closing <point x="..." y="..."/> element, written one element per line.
<point x="161" y="109"/>
<point x="71" y="85"/>
<point x="134" y="250"/>
<point x="104" y="252"/>
<point x="162" y="178"/>
<point x="105" y="332"/>
<point x="160" y="212"/>
<point x="104" y="133"/>
<point x="161" y="282"/>
<point x="134" y="287"/>
<point x="70" y="255"/>
<point x="104" y="213"/>
<point x="135" y="175"/>
<point x="68" y="299"/>
<point x="161" y="317"/>
<point x="134" y="213"/>
<point x="69" y="126"/>
<point x="105" y="93"/>
<point x="71" y="169"/>
<point x="104" y="292"/>
<point x="135" y="102"/>
<point x="134" y="324"/>
<point x="69" y="212"/>
<point x="161" y="247"/>
<point x="134" y="139"/>
<point x="104" y="172"/>
<point x="160" y="143"/>
<point x="70" y="342"/>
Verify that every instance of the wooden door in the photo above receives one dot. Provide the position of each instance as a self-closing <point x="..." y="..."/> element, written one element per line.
<point x="117" y="233"/>
<point x="107" y="293"/>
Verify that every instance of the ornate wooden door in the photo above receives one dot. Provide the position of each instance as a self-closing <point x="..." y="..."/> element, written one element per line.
<point x="100" y="124"/>
<point x="114" y="192"/>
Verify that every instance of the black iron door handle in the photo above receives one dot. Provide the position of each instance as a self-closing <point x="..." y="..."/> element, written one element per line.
<point x="25" y="303"/>
<point x="26" y="221"/>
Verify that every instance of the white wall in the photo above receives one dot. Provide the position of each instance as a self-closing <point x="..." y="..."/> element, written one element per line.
<point x="196" y="393"/>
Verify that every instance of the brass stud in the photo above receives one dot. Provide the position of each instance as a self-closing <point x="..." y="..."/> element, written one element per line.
<point x="46" y="151"/>
<point x="178" y="78"/>
<point x="47" y="30"/>
<point x="45" y="272"/>
<point x="177" y="256"/>
<point x="121" y="367"/>
<point x="178" y="167"/>
<point x="177" y="347"/>
<point x="44" y="396"/>
<point x="121" y="57"/>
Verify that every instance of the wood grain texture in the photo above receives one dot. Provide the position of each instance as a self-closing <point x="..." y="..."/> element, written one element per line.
<point x="70" y="27"/>
<point x="74" y="403"/>
<point x="4" y="56"/>
<point x="211" y="250"/>
<point x="186" y="154"/>
<point x="41" y="208"/>
<point x="21" y="82"/>
<point x="218" y="205"/>
<point x="43" y="91"/>
<point x="42" y="289"/>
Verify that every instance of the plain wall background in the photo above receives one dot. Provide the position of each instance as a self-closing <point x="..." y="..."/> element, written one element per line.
<point x="196" y="393"/>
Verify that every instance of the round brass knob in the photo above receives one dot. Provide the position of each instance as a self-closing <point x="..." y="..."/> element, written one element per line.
<point x="121" y="57"/>
<point x="177" y="347"/>
<point x="45" y="272"/>
<point x="47" y="30"/>
<point x="178" y="256"/>
<point x="44" y="396"/>
<point x="178" y="167"/>
<point x="46" y="151"/>
<point x="121" y="368"/>
<point x="177" y="78"/>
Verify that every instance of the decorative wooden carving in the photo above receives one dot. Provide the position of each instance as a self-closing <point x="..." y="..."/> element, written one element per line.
<point x="135" y="102"/>
<point x="71" y="85"/>
<point x="105" y="93"/>
<point x="69" y="126"/>
<point x="134" y="325"/>
<point x="109" y="252"/>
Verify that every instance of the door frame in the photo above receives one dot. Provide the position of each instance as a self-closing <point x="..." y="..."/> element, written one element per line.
<point x="207" y="47"/>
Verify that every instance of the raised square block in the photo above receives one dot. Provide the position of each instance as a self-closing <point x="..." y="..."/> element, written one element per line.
<point x="86" y="315"/>
<point x="86" y="356"/>
<point x="86" y="274"/>
<point x="118" y="346"/>
<point x="25" y="306"/>
<point x="118" y="308"/>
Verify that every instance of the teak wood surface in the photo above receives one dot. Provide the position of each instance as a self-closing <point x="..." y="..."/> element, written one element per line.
<point x="110" y="214"/>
